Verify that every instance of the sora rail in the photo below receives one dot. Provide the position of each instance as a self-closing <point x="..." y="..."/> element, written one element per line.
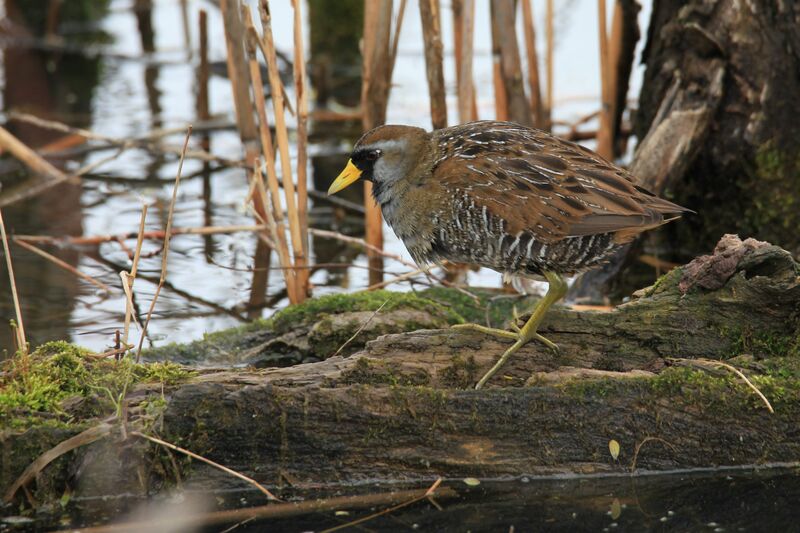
<point x="506" y="197"/>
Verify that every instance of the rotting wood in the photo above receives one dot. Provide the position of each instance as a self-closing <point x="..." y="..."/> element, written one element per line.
<point x="403" y="407"/>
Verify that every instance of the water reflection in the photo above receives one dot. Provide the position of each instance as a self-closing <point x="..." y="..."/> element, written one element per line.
<point x="710" y="501"/>
<point x="48" y="84"/>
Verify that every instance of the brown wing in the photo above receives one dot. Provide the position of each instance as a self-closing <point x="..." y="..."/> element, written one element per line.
<point x="539" y="183"/>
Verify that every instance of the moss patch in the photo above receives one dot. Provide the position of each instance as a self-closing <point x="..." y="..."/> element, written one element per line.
<point x="316" y="308"/>
<point x="716" y="391"/>
<point x="34" y="389"/>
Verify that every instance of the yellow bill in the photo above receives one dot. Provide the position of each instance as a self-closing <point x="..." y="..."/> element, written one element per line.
<point x="345" y="179"/>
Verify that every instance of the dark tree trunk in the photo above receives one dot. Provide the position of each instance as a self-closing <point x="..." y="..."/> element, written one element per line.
<point x="719" y="129"/>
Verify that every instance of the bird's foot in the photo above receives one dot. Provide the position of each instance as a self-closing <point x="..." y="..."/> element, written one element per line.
<point x="502" y="333"/>
<point x="514" y="335"/>
<point x="520" y="338"/>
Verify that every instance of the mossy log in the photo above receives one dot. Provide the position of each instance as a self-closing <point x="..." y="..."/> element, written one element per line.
<point x="403" y="407"/>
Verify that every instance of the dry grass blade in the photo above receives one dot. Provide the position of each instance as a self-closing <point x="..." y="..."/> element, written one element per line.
<point x="428" y="493"/>
<point x="193" y="455"/>
<point x="165" y="251"/>
<point x="360" y="329"/>
<point x="708" y="363"/>
<point x="642" y="443"/>
<point x="81" y="439"/>
<point x="63" y="264"/>
<point x="22" y="342"/>
<point x="128" y="278"/>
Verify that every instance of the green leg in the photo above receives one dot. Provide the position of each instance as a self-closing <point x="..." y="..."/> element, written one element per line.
<point x="556" y="290"/>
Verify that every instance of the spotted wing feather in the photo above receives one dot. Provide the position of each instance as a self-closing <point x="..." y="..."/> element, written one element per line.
<point x="545" y="185"/>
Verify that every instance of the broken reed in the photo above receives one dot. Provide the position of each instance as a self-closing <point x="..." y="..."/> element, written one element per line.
<point x="244" y="42"/>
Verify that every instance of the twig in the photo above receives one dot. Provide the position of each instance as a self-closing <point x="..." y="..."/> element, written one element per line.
<point x="165" y="254"/>
<point x="396" y="37"/>
<point x="378" y="251"/>
<point x="193" y="455"/>
<point x="146" y="141"/>
<point x="81" y="439"/>
<point x="639" y="447"/>
<point x="157" y="234"/>
<point x="273" y="510"/>
<point x="397" y="279"/>
<point x="706" y="363"/>
<point x="364" y="325"/>
<point x="63" y="264"/>
<point x="428" y="493"/>
<point x="20" y="330"/>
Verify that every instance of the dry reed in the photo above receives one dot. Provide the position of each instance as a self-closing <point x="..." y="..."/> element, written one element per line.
<point x="604" y="135"/>
<point x="549" y="22"/>
<point x="129" y="278"/>
<point x="534" y="85"/>
<point x="302" y="144"/>
<point x="61" y="264"/>
<point x="193" y="455"/>
<point x="429" y="11"/>
<point x="22" y="343"/>
<point x="463" y="34"/>
<point x="165" y="251"/>
<point x="298" y="240"/>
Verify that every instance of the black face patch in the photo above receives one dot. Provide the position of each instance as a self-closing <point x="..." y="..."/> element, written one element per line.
<point x="364" y="159"/>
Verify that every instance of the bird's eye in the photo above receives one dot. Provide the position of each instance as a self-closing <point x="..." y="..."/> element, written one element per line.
<point x="372" y="155"/>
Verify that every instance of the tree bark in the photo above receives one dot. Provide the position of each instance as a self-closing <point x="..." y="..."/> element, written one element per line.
<point x="718" y="129"/>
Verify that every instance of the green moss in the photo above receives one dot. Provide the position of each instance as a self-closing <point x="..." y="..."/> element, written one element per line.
<point x="497" y="306"/>
<point x="461" y="374"/>
<point x="34" y="387"/>
<point x="372" y="372"/>
<point x="665" y="282"/>
<point x="718" y="390"/>
<point x="316" y="308"/>
<point x="763" y="344"/>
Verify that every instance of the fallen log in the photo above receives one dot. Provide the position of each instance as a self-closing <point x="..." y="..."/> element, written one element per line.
<point x="402" y="407"/>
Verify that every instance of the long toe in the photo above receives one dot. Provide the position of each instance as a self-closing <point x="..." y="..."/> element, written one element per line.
<point x="503" y="334"/>
<point x="547" y="342"/>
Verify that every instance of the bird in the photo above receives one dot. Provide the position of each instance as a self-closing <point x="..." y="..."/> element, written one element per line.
<point x="504" y="196"/>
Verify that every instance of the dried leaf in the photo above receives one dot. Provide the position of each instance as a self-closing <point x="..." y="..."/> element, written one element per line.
<point x="613" y="447"/>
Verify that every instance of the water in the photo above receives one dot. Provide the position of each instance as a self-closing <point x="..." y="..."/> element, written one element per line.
<point x="710" y="501"/>
<point x="108" y="73"/>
